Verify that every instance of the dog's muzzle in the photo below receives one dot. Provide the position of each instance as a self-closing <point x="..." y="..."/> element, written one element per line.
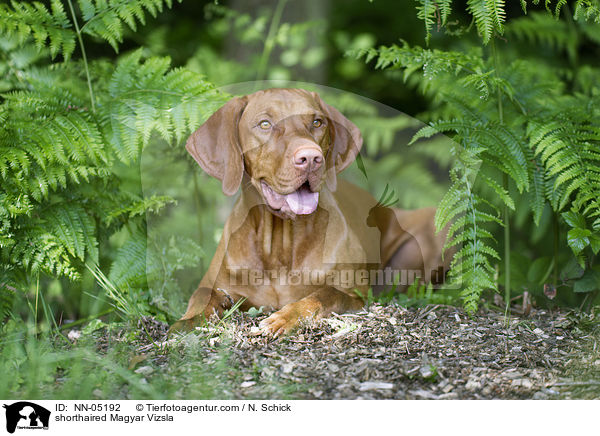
<point x="303" y="201"/>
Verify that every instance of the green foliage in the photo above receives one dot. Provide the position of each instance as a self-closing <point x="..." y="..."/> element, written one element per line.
<point x="588" y="10"/>
<point x="106" y="19"/>
<point x="47" y="26"/>
<point x="146" y="96"/>
<point x="489" y="17"/>
<point x="433" y="12"/>
<point x="521" y="120"/>
<point x="542" y="28"/>
<point x="463" y="211"/>
<point x="80" y="240"/>
<point x="61" y="159"/>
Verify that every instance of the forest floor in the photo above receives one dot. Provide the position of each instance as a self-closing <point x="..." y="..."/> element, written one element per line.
<point x="385" y="352"/>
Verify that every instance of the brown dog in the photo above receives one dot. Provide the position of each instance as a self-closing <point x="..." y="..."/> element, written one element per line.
<point x="298" y="241"/>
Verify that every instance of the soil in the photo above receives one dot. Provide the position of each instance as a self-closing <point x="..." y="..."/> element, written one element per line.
<point x="391" y="352"/>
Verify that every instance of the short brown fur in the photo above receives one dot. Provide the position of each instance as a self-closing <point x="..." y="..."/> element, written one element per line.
<point x="348" y="230"/>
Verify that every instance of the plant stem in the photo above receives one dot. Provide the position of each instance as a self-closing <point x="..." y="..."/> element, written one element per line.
<point x="85" y="62"/>
<point x="85" y="320"/>
<point x="506" y="245"/>
<point x="270" y="41"/>
<point x="555" y="231"/>
<point x="37" y="293"/>
<point x="506" y="217"/>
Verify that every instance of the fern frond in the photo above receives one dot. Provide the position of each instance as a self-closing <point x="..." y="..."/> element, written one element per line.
<point x="461" y="210"/>
<point x="541" y="28"/>
<point x="489" y="17"/>
<point x="139" y="207"/>
<point x="432" y="12"/>
<point x="568" y="146"/>
<point x="500" y="145"/>
<point x="146" y="97"/>
<point x="427" y="11"/>
<point x="537" y="193"/>
<point x="41" y="251"/>
<point x="588" y="10"/>
<point x="139" y="261"/>
<point x="23" y="19"/>
<point x="74" y="228"/>
<point x="105" y="18"/>
<point x="411" y="59"/>
<point x="10" y="285"/>
<point x="129" y="266"/>
<point x="499" y="190"/>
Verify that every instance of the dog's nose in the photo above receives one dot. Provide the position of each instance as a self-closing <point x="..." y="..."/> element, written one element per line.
<point x="308" y="158"/>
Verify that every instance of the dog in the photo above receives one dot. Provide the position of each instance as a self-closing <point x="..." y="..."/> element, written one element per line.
<point x="299" y="241"/>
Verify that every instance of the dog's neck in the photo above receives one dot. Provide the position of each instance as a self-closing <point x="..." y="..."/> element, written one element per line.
<point x="250" y="198"/>
<point x="267" y="237"/>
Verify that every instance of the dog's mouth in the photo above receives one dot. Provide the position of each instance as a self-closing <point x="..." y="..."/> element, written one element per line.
<point x="303" y="201"/>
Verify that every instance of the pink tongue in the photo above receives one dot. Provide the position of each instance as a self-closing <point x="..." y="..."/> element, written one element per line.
<point x="303" y="201"/>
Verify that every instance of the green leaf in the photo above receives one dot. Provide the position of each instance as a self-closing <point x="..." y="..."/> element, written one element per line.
<point x="93" y="326"/>
<point x="589" y="282"/>
<point x="578" y="239"/>
<point x="253" y="312"/>
<point x="595" y="243"/>
<point x="500" y="191"/>
<point x="574" y="219"/>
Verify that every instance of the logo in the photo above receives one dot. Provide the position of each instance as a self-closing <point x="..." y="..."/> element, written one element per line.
<point x="26" y="415"/>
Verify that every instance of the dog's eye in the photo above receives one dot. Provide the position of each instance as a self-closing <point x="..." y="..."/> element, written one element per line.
<point x="264" y="124"/>
<point x="317" y="123"/>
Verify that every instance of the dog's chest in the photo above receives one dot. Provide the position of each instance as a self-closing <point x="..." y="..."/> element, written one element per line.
<point x="297" y="244"/>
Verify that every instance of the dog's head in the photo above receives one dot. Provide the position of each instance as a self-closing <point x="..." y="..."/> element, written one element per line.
<point x="288" y="141"/>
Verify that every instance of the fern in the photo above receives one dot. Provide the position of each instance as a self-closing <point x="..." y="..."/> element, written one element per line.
<point x="47" y="26"/>
<point x="146" y="96"/>
<point x="520" y="121"/>
<point x="588" y="10"/>
<point x="136" y="207"/>
<point x="74" y="228"/>
<point x="9" y="285"/>
<point x="129" y="267"/>
<point x="59" y="191"/>
<point x="460" y="209"/>
<point x="144" y="263"/>
<point x="432" y="12"/>
<point x="541" y="28"/>
<point x="569" y="147"/>
<point x="489" y="17"/>
<point x="585" y="10"/>
<point x="105" y="19"/>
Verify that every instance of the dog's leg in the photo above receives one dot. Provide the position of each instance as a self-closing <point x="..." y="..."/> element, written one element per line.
<point x="319" y="304"/>
<point x="204" y="303"/>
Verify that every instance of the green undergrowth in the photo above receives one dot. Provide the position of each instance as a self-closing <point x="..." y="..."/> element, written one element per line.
<point x="417" y="295"/>
<point x="119" y="360"/>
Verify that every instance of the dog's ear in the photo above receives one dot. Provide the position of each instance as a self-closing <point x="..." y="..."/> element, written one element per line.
<point x="216" y="145"/>
<point x="345" y="142"/>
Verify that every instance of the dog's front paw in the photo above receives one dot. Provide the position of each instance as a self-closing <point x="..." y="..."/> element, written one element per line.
<point x="282" y="322"/>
